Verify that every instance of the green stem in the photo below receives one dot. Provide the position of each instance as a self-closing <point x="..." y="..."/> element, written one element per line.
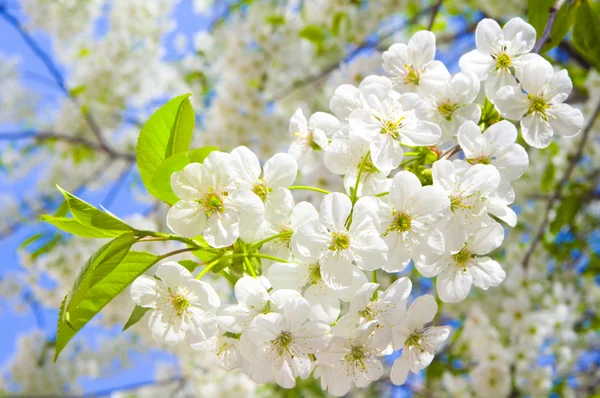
<point x="249" y="267"/>
<point x="307" y="188"/>
<point x="267" y="257"/>
<point x="360" y="171"/>
<point x="379" y="195"/>
<point x="270" y="238"/>
<point x="408" y="161"/>
<point x="411" y="153"/>
<point x="215" y="262"/>
<point x="374" y="276"/>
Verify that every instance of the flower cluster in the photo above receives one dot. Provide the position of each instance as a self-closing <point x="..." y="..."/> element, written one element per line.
<point x="304" y="303"/>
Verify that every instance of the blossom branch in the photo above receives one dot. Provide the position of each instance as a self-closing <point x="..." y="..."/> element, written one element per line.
<point x="434" y="13"/>
<point x="55" y="72"/>
<point x="559" y="187"/>
<point x="81" y="141"/>
<point x="548" y="29"/>
<point x="335" y="65"/>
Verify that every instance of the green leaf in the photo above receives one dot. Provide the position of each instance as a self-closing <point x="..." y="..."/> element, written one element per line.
<point x="96" y="297"/>
<point x="47" y="247"/>
<point x="74" y="227"/>
<point x="90" y="216"/>
<point x="156" y="141"/>
<point x="136" y="315"/>
<point x="538" y="14"/>
<point x="198" y="155"/>
<point x="161" y="180"/>
<point x="189" y="264"/>
<point x="586" y="33"/>
<point x="98" y="266"/>
<point x="30" y="240"/>
<point x="336" y="23"/>
<point x="313" y="33"/>
<point x="62" y="210"/>
<point x="182" y="130"/>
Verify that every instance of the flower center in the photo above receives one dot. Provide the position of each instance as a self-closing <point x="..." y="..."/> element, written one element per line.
<point x="368" y="167"/>
<point x="339" y="241"/>
<point x="401" y="222"/>
<point x="356" y="354"/>
<point x="414" y="340"/>
<point x="457" y="202"/>
<point x="392" y="127"/>
<point x="311" y="141"/>
<point x="213" y="203"/>
<point x="261" y="190"/>
<point x="180" y="303"/>
<point x="480" y="160"/>
<point x="314" y="273"/>
<point x="283" y="341"/>
<point x="462" y="258"/>
<point x="503" y="61"/>
<point x="412" y="76"/>
<point x="369" y="312"/>
<point x="538" y="105"/>
<point x="446" y="109"/>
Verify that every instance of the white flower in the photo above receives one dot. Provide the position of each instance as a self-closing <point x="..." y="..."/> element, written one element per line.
<point x="252" y="298"/>
<point x="283" y="342"/>
<point x="224" y="348"/>
<point x="387" y="123"/>
<point x="387" y="308"/>
<point x="272" y="188"/>
<point x="346" y="156"/>
<point x="457" y="272"/>
<point x="413" y="67"/>
<point x="496" y="146"/>
<point x="541" y="109"/>
<point x="452" y="105"/>
<point x="499" y="50"/>
<point x="348" y="98"/>
<point x="210" y="204"/>
<point x="183" y="308"/>
<point x="312" y="135"/>
<point x="336" y="246"/>
<point x="408" y="221"/>
<point x="468" y="190"/>
<point x="418" y="342"/>
<point x="491" y="380"/>
<point x="281" y="247"/>
<point x="352" y="360"/>
<point x="324" y="301"/>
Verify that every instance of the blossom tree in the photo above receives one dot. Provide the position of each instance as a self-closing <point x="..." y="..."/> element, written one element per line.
<point x="335" y="198"/>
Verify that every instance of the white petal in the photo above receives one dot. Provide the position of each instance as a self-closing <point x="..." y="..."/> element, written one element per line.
<point x="222" y="229"/>
<point x="144" y="291"/>
<point x="298" y="123"/>
<point x="186" y="219"/>
<point x="537" y="75"/>
<point x="487" y="36"/>
<point x="520" y="33"/>
<point x="565" y="120"/>
<point x="335" y="209"/>
<point x="421" y="133"/>
<point x="400" y="370"/>
<point x="476" y="62"/>
<point x="280" y="171"/>
<point x="288" y="276"/>
<point x="422" y="310"/>
<point x="186" y="183"/>
<point x="453" y="285"/>
<point x="247" y="164"/>
<point x="302" y="213"/>
<point x="173" y="274"/>
<point x="278" y="205"/>
<point x="336" y="271"/>
<point x="487" y="239"/>
<point x="386" y="153"/>
<point x="486" y="272"/>
<point x="421" y="48"/>
<point x="324" y="307"/>
<point x="329" y="124"/>
<point x="536" y="131"/>
<point x="251" y="292"/>
<point x="511" y="102"/>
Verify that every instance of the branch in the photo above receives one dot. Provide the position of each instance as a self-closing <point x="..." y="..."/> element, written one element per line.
<point x="548" y="29"/>
<point x="366" y="43"/>
<point x="559" y="187"/>
<point x="46" y="136"/>
<point x="568" y="48"/>
<point x="56" y="74"/>
<point x="434" y="13"/>
<point x="454" y="149"/>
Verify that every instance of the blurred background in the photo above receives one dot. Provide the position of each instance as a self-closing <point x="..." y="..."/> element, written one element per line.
<point x="78" y="78"/>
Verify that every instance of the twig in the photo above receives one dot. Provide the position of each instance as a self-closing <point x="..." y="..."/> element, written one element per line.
<point x="446" y="155"/>
<point x="559" y="187"/>
<point x="56" y="74"/>
<point x="434" y="13"/>
<point x="46" y="136"/>
<point x="335" y="65"/>
<point x="548" y="29"/>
